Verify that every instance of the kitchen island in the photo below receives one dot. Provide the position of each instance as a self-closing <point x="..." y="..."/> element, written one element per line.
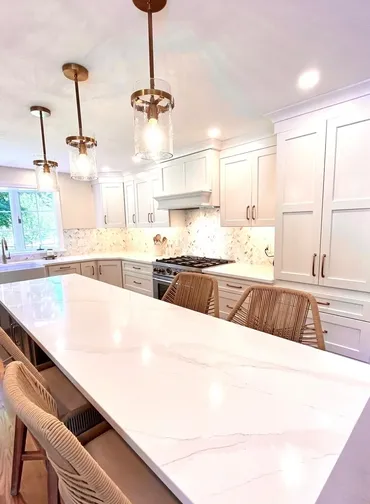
<point x="221" y="413"/>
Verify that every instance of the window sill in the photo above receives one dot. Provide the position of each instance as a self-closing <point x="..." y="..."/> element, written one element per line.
<point x="34" y="252"/>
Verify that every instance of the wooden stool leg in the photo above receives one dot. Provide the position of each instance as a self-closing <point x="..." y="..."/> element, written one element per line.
<point x="20" y="434"/>
<point x="53" y="491"/>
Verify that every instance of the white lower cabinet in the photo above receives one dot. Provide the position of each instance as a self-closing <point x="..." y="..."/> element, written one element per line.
<point x="89" y="269"/>
<point x="137" y="277"/>
<point x="110" y="272"/>
<point x="64" y="269"/>
<point x="227" y="302"/>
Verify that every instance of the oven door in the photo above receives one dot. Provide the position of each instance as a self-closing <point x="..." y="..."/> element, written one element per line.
<point x="160" y="285"/>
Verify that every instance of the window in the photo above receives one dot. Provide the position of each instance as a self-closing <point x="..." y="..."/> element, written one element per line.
<point x="30" y="220"/>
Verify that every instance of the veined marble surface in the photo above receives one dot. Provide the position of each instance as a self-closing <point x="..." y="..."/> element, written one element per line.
<point x="221" y="413"/>
<point x="263" y="273"/>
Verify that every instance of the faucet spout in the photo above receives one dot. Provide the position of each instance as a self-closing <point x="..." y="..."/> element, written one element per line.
<point x="4" y="248"/>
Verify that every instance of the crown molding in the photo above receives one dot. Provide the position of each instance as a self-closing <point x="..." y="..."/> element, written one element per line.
<point x="321" y="101"/>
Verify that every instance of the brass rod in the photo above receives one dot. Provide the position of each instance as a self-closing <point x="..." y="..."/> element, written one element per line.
<point x="151" y="50"/>
<point x="78" y="105"/>
<point x="43" y="136"/>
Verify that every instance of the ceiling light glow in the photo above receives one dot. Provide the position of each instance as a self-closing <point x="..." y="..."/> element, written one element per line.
<point x="214" y="132"/>
<point x="308" y="79"/>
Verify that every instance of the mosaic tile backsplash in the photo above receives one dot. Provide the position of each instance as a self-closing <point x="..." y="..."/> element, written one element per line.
<point x="201" y="235"/>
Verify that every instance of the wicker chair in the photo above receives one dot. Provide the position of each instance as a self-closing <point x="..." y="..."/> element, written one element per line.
<point x="73" y="409"/>
<point x="194" y="291"/>
<point x="99" y="472"/>
<point x="281" y="312"/>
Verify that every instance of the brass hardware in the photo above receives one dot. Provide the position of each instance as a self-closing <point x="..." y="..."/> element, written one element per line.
<point x="230" y="307"/>
<point x="105" y="219"/>
<point x="134" y="218"/>
<point x="234" y="286"/>
<point x="41" y="113"/>
<point x="64" y="267"/>
<point x="313" y="265"/>
<point x="37" y="109"/>
<point x="136" y="267"/>
<point x="254" y="212"/>
<point x="325" y="331"/>
<point x="322" y="265"/>
<point x="248" y="212"/>
<point x="81" y="142"/>
<point x="137" y="283"/>
<point x="74" y="71"/>
<point x="100" y="269"/>
<point x="150" y="5"/>
<point x="159" y="93"/>
<point x="323" y="303"/>
<point x="93" y="270"/>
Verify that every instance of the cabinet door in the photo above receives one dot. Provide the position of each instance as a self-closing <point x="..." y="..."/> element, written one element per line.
<point x="195" y="168"/>
<point x="89" y="269"/>
<point x="113" y="205"/>
<point x="236" y="191"/>
<point x="263" y="165"/>
<point x="143" y="197"/>
<point x="130" y="203"/>
<point x="65" y="269"/>
<point x="345" y="239"/>
<point x="110" y="272"/>
<point x="173" y="177"/>
<point x="300" y="178"/>
<point x="161" y="218"/>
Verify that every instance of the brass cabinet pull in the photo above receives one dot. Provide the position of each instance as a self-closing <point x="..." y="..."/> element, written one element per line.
<point x="134" y="218"/>
<point x="313" y="265"/>
<point x="228" y="306"/>
<point x="137" y="283"/>
<point x="136" y="267"/>
<point x="254" y="212"/>
<point x="323" y="303"/>
<point x="234" y="286"/>
<point x="93" y="270"/>
<point x="105" y="219"/>
<point x="247" y="212"/>
<point x="64" y="267"/>
<point x="100" y="269"/>
<point x="323" y="265"/>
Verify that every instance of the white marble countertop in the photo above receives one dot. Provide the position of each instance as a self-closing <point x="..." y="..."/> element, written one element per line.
<point x="221" y="413"/>
<point x="244" y="271"/>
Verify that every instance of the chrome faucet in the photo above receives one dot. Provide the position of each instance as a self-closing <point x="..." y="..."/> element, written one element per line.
<point x="4" y="248"/>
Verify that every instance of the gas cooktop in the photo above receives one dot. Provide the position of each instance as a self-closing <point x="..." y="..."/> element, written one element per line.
<point x="173" y="265"/>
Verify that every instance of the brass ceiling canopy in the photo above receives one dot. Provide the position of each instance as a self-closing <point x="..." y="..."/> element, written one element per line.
<point x="152" y="102"/>
<point x="82" y="155"/>
<point x="46" y="175"/>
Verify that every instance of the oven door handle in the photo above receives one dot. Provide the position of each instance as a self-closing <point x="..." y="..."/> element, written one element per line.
<point x="162" y="280"/>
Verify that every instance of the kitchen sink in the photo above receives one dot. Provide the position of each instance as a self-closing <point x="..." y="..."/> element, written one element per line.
<point x="18" y="271"/>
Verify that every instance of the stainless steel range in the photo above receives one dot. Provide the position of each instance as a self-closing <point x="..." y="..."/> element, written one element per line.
<point x="164" y="270"/>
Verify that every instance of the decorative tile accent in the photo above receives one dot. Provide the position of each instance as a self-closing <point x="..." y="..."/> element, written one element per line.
<point x="87" y="241"/>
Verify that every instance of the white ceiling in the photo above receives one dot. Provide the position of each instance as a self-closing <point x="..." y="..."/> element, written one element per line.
<point x="229" y="62"/>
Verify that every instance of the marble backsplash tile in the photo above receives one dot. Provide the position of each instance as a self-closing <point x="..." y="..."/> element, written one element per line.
<point x="202" y="235"/>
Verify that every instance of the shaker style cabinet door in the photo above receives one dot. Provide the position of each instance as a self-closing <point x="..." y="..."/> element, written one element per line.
<point x="89" y="269"/>
<point x="236" y="191"/>
<point x="129" y="188"/>
<point x="160" y="218"/>
<point x="263" y="165"/>
<point x="113" y="205"/>
<point x="143" y="197"/>
<point x="345" y="240"/>
<point x="300" y="179"/>
<point x="110" y="272"/>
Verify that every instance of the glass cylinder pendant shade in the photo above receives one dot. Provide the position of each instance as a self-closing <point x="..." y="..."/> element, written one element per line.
<point x="47" y="177"/>
<point x="82" y="158"/>
<point x="153" y="133"/>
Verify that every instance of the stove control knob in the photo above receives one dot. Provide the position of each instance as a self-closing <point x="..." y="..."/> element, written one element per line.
<point x="168" y="271"/>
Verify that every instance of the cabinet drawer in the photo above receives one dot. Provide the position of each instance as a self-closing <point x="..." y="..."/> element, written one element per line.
<point x="345" y="307"/>
<point x="231" y="285"/>
<point x="227" y="302"/>
<point x="64" y="269"/>
<point x="137" y="283"/>
<point x="346" y="336"/>
<point x="135" y="267"/>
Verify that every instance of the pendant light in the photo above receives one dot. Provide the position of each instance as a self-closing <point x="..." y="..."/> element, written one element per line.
<point x="82" y="158"/>
<point x="152" y="103"/>
<point x="46" y="173"/>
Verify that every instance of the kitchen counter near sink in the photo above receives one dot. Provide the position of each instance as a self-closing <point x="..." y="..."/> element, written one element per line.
<point x="243" y="271"/>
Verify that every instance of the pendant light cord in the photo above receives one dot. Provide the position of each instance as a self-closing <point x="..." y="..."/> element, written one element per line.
<point x="78" y="105"/>
<point x="151" y="50"/>
<point x="43" y="137"/>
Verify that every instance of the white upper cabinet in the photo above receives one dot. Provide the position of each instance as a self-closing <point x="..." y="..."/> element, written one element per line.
<point x="143" y="197"/>
<point x="109" y="205"/>
<point x="248" y="188"/>
<point x="160" y="218"/>
<point x="345" y="239"/>
<point x="173" y="177"/>
<point x="129" y="188"/>
<point x="300" y="175"/>
<point x="236" y="191"/>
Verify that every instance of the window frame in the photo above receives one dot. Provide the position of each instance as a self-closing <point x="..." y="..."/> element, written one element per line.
<point x="15" y="211"/>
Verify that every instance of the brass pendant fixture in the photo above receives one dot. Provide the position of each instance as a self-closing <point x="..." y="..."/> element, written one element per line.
<point x="46" y="173"/>
<point x="82" y="156"/>
<point x="152" y="103"/>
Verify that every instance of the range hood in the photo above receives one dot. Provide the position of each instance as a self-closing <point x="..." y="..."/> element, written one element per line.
<point x="183" y="201"/>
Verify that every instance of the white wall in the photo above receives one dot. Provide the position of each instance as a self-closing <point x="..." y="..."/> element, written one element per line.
<point x="77" y="201"/>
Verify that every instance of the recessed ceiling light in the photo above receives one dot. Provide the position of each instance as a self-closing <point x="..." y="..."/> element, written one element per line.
<point x="308" y="79"/>
<point x="214" y="132"/>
